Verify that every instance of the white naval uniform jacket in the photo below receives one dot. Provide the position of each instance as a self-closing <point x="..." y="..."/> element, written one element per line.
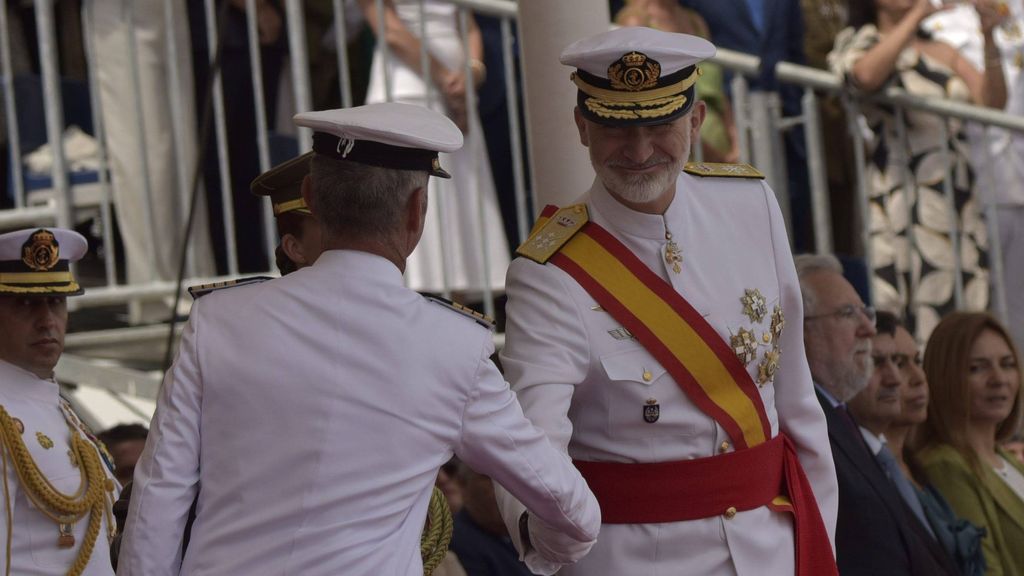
<point x="36" y="403"/>
<point x="584" y="384"/>
<point x="311" y="413"/>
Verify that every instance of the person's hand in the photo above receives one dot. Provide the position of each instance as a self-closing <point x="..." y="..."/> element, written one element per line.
<point x="991" y="13"/>
<point x="453" y="88"/>
<point x="553" y="545"/>
<point x="925" y="8"/>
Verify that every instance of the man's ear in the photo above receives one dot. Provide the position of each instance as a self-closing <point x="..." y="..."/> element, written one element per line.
<point x="581" y="125"/>
<point x="697" y="115"/>
<point x="293" y="249"/>
<point x="415" y="215"/>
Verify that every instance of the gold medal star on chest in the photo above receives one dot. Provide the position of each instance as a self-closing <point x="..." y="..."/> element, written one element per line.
<point x="745" y="342"/>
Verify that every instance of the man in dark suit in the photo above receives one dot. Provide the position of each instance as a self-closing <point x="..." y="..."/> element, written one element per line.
<point x="876" y="534"/>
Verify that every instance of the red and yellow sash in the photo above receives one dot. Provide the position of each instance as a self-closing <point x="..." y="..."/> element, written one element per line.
<point x="665" y="324"/>
<point x="711" y="376"/>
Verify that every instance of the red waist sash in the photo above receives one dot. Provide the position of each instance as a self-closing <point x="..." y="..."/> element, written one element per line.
<point x="768" y="474"/>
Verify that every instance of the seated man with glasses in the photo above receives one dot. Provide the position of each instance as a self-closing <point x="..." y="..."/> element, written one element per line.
<point x="876" y="532"/>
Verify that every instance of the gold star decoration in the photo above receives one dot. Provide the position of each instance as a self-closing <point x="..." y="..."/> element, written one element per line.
<point x="768" y="367"/>
<point x="778" y="322"/>
<point x="754" y="305"/>
<point x="744" y="344"/>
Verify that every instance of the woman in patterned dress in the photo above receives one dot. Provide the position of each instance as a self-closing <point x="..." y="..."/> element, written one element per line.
<point x="912" y="247"/>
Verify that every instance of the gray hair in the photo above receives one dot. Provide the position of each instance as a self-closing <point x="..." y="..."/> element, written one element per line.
<point x="353" y="199"/>
<point x="807" y="264"/>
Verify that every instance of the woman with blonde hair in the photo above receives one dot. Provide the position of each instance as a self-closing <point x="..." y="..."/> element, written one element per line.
<point x="972" y="368"/>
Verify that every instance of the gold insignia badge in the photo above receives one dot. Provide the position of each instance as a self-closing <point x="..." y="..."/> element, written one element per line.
<point x="722" y="170"/>
<point x="744" y="345"/>
<point x="65" y="537"/>
<point x="754" y="305"/>
<point x="41" y="251"/>
<point x="435" y="164"/>
<point x="778" y="323"/>
<point x="44" y="440"/>
<point x="634" y="72"/>
<point x="769" y="366"/>
<point x="556" y="231"/>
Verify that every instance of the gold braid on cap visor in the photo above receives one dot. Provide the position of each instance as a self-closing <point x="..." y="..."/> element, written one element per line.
<point x="632" y="105"/>
<point x="296" y="205"/>
<point x="38" y="283"/>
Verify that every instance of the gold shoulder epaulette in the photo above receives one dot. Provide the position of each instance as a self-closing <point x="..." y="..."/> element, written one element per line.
<point x="204" y="289"/>
<point x="549" y="236"/>
<point x="722" y="170"/>
<point x="481" y="319"/>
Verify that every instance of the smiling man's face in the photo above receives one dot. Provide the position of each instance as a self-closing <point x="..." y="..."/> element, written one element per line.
<point x="32" y="337"/>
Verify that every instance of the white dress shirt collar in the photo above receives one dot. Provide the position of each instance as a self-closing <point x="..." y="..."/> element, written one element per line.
<point x="874" y="443"/>
<point x="630" y="222"/>
<point x="24" y="384"/>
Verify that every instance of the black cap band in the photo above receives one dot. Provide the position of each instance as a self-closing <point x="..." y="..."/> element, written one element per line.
<point x="377" y="154"/>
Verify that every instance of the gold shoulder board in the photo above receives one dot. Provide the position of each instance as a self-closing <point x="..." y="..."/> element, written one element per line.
<point x="549" y="237"/>
<point x="204" y="289"/>
<point x="722" y="170"/>
<point x="481" y="319"/>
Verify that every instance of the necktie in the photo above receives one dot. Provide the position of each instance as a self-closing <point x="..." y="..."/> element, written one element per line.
<point x="903" y="486"/>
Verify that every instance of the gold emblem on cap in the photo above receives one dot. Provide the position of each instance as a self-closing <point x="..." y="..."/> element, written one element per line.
<point x="634" y="72"/>
<point x="435" y="164"/>
<point x="41" y="251"/>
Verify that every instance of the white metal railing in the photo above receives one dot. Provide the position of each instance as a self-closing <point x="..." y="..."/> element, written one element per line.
<point x="758" y="117"/>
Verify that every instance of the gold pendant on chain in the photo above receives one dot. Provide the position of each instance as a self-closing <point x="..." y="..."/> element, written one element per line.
<point x="673" y="255"/>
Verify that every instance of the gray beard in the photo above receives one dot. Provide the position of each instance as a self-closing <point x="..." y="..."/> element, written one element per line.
<point x="639" y="189"/>
<point x="849" y="381"/>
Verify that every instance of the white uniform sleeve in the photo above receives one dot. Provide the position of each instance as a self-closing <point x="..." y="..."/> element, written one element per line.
<point x="800" y="415"/>
<point x="546" y="354"/>
<point x="167" y="475"/>
<point x="499" y="441"/>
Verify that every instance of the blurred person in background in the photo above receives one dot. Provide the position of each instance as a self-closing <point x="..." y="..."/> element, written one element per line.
<point x="882" y="48"/>
<point x="876" y="533"/>
<point x="973" y="372"/>
<point x="1015" y="446"/>
<point x="240" y="111"/>
<point x="997" y="155"/>
<point x="960" y="538"/>
<point x="299" y="241"/>
<point x="136" y="99"/>
<point x="480" y="538"/>
<point x="125" y="443"/>
<point x="451" y="255"/>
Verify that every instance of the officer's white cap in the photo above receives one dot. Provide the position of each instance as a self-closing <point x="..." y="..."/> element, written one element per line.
<point x="36" y="261"/>
<point x="636" y="75"/>
<point x="388" y="135"/>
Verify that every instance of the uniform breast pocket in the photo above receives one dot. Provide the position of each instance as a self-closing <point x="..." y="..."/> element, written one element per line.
<point x="43" y="532"/>
<point x="642" y="399"/>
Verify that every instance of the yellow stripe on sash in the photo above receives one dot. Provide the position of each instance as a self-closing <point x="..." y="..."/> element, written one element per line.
<point x="671" y="330"/>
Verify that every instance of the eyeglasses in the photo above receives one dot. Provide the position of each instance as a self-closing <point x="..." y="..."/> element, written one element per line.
<point x="847" y="312"/>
